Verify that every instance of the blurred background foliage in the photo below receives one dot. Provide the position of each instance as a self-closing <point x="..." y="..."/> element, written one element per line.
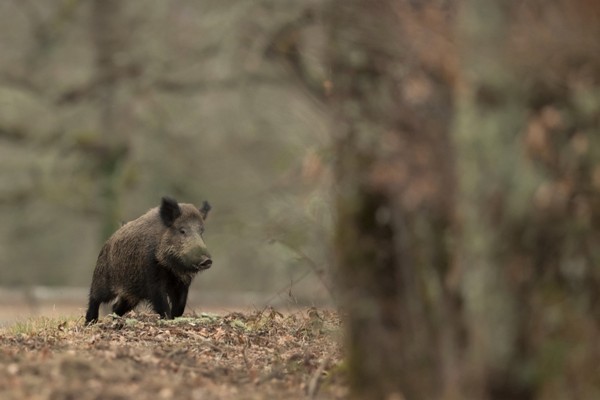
<point x="105" y="106"/>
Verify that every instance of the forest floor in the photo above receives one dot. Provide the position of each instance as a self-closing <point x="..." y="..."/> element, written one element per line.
<point x="255" y="355"/>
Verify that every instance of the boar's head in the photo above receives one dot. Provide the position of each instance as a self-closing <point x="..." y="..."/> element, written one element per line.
<point x="182" y="246"/>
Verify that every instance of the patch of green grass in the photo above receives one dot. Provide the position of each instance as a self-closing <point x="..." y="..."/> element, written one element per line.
<point x="36" y="325"/>
<point x="203" y="318"/>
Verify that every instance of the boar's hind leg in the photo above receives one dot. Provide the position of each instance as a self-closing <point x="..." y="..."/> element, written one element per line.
<point x="98" y="295"/>
<point x="178" y="295"/>
<point x="123" y="306"/>
<point x="92" y="312"/>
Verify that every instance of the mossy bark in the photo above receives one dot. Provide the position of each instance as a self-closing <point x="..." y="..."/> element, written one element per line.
<point x="495" y="186"/>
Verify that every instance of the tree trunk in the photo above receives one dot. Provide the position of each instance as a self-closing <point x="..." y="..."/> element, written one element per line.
<point x="394" y="193"/>
<point x="495" y="185"/>
<point x="527" y="204"/>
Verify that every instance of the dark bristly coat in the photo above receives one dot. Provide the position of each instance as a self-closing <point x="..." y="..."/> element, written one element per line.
<point x="152" y="258"/>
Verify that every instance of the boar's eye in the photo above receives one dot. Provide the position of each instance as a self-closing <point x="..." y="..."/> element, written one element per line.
<point x="182" y="231"/>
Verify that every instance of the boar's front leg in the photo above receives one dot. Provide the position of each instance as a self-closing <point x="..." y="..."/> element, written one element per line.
<point x="178" y="293"/>
<point x="160" y="304"/>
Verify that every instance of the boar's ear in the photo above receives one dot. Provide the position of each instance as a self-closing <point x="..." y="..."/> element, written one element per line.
<point x="204" y="209"/>
<point x="169" y="210"/>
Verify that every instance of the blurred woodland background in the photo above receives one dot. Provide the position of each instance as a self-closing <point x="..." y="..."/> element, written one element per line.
<point x="105" y="106"/>
<point x="437" y="161"/>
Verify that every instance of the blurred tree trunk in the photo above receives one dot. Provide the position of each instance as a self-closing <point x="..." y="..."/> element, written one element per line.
<point x="483" y="286"/>
<point x="528" y="205"/>
<point x="394" y="195"/>
<point x="109" y="36"/>
<point x="495" y="187"/>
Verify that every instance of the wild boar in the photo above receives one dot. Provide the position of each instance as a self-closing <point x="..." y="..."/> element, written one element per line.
<point x="152" y="258"/>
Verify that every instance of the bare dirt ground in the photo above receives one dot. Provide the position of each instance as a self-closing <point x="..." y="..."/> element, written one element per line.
<point x="252" y="355"/>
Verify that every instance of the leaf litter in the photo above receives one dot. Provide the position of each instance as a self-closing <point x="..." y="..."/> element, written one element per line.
<point x="263" y="354"/>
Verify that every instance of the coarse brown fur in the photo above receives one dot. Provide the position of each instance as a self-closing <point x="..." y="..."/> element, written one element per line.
<point x="152" y="258"/>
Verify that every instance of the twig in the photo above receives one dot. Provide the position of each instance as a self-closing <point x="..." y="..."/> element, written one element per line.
<point x="315" y="380"/>
<point x="319" y="272"/>
<point x="246" y="362"/>
<point x="288" y="287"/>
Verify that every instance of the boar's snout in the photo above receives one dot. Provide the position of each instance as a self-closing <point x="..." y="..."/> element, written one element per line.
<point x="206" y="263"/>
<point x="195" y="255"/>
